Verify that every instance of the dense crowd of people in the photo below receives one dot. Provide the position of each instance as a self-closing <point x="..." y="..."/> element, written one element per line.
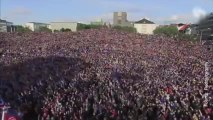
<point x="104" y="74"/>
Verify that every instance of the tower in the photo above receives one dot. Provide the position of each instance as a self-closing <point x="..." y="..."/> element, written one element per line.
<point x="120" y="18"/>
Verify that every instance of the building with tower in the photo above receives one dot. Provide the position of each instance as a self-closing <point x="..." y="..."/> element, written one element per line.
<point x="120" y="19"/>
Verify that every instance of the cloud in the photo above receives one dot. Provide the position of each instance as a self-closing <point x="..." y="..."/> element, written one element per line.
<point x="199" y="12"/>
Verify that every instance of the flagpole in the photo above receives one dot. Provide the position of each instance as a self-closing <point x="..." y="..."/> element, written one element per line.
<point x="2" y="118"/>
<point x="3" y="112"/>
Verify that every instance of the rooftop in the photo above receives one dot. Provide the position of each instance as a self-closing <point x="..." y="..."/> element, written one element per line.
<point x="64" y="22"/>
<point x="2" y="20"/>
<point x="5" y="21"/>
<point x="145" y="21"/>
<point x="38" y="23"/>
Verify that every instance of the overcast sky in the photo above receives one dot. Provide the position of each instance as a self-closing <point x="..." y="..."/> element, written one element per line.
<point x="158" y="11"/>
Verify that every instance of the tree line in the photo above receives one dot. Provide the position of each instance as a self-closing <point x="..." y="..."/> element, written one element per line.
<point x="172" y="31"/>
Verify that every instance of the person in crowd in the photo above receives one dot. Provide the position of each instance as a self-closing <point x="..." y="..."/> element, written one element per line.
<point x="115" y="76"/>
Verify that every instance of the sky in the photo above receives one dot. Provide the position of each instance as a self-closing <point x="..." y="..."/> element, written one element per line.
<point x="158" y="11"/>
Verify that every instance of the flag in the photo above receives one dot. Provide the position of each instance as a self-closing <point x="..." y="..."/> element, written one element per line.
<point x="9" y="117"/>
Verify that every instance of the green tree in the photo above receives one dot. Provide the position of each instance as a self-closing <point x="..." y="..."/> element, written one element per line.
<point x="81" y="26"/>
<point x="95" y="26"/>
<point x="125" y="28"/>
<point x="20" y="28"/>
<point x="44" y="29"/>
<point x="84" y="26"/>
<point x="62" y="30"/>
<point x="87" y="27"/>
<point x="170" y="31"/>
<point x="65" y="30"/>
<point x="55" y="30"/>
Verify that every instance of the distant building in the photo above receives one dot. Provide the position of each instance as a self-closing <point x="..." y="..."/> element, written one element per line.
<point x="35" y="26"/>
<point x="57" y="26"/>
<point x="98" y="22"/>
<point x="194" y="28"/>
<point x="6" y="26"/>
<point x="145" y="26"/>
<point x="120" y="19"/>
<point x="184" y="28"/>
<point x="190" y="29"/>
<point x="205" y="27"/>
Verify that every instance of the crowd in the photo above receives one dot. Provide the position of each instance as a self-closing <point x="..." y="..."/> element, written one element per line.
<point x="104" y="74"/>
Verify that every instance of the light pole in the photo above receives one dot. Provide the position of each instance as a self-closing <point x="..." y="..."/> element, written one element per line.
<point x="3" y="112"/>
<point x="4" y="109"/>
<point x="201" y="33"/>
